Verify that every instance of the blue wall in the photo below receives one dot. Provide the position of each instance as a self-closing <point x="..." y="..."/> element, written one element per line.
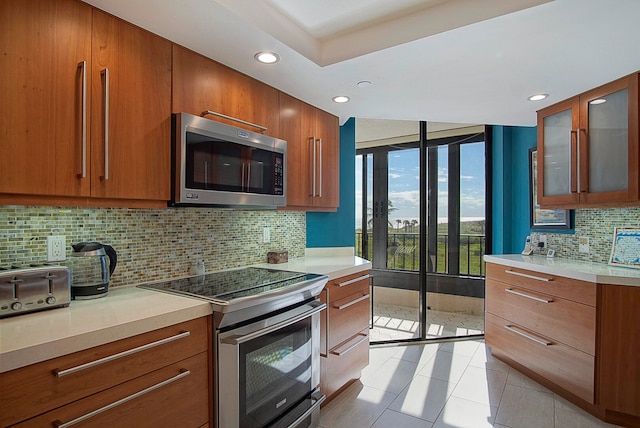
<point x="511" y="187"/>
<point x="338" y="229"/>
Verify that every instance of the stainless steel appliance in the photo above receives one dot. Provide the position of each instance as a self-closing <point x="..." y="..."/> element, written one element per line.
<point x="266" y="344"/>
<point x="30" y="289"/>
<point x="90" y="271"/>
<point x="218" y="164"/>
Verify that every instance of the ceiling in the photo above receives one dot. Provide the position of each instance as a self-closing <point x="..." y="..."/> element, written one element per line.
<point x="464" y="61"/>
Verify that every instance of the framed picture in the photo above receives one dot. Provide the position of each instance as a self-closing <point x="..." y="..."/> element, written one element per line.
<point x="626" y="247"/>
<point x="543" y="218"/>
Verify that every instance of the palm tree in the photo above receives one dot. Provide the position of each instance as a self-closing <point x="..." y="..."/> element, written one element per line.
<point x="399" y="223"/>
<point x="414" y="222"/>
<point x="406" y="225"/>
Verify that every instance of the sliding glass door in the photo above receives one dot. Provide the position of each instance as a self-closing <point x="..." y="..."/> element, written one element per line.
<point x="445" y="297"/>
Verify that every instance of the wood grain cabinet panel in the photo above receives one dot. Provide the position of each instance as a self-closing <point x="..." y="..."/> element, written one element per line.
<point x="561" y="364"/>
<point x="170" y="397"/>
<point x="87" y="107"/>
<point x="134" y="160"/>
<point x="43" y="43"/>
<point x="345" y="332"/>
<point x="201" y="84"/>
<point x="313" y="155"/>
<point x="569" y="322"/>
<point x="578" y="338"/>
<point x="42" y="387"/>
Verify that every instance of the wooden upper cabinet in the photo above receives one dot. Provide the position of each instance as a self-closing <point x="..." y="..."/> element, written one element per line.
<point x="42" y="44"/>
<point x="313" y="158"/>
<point x="588" y="148"/>
<point x="201" y="84"/>
<point x="131" y="92"/>
<point x="57" y="98"/>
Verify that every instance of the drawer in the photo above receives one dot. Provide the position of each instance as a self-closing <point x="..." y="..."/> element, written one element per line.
<point x="569" y="322"/>
<point x="347" y="317"/>
<point x="571" y="289"/>
<point x="567" y="367"/>
<point x="342" y="287"/>
<point x="176" y="395"/>
<point x="38" y="388"/>
<point x="344" y="363"/>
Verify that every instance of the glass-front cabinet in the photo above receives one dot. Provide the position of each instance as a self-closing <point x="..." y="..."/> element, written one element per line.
<point x="588" y="146"/>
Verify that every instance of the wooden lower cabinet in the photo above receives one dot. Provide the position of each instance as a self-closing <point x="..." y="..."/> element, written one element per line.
<point x="345" y="332"/>
<point x="577" y="338"/>
<point x="139" y="381"/>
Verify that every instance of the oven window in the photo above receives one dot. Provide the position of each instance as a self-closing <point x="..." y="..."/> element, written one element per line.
<point x="275" y="373"/>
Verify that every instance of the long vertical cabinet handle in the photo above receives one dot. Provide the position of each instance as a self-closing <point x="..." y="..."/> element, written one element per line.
<point x="105" y="73"/>
<point x="583" y="181"/>
<point x="575" y="165"/>
<point x="83" y="65"/>
<point x="60" y="424"/>
<point x="312" y="140"/>
<point x="320" y="166"/>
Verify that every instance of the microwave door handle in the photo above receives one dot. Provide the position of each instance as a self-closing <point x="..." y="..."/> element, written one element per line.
<point x="248" y="175"/>
<point x="206" y="174"/>
<point x="242" y="181"/>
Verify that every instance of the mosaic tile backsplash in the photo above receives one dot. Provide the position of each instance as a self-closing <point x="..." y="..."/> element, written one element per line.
<point x="153" y="244"/>
<point x="597" y="225"/>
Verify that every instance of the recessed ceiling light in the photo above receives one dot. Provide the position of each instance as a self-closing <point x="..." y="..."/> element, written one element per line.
<point x="538" y="97"/>
<point x="363" y="83"/>
<point x="340" y="99"/>
<point x="598" y="101"/>
<point x="267" y="57"/>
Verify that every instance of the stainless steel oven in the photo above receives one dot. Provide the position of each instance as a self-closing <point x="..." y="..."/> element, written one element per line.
<point x="269" y="370"/>
<point x="266" y="344"/>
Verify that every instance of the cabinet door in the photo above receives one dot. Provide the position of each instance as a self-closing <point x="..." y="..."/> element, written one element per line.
<point x="609" y="143"/>
<point x="297" y="127"/>
<point x="130" y="112"/>
<point x="43" y="42"/>
<point x="200" y="84"/>
<point x="557" y="153"/>
<point x="328" y="161"/>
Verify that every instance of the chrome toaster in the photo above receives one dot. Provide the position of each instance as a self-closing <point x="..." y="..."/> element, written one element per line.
<point x="30" y="289"/>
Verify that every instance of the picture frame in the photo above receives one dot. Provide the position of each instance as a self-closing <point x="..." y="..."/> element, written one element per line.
<point x="543" y="218"/>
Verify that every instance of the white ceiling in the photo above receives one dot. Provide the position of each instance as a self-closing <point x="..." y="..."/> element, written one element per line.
<point x="464" y="61"/>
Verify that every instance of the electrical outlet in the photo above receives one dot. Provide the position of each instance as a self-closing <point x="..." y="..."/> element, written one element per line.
<point x="543" y="239"/>
<point x="583" y="244"/>
<point x="266" y="234"/>
<point x="56" y="248"/>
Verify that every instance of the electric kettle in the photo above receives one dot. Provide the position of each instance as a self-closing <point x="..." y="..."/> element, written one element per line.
<point x="89" y="270"/>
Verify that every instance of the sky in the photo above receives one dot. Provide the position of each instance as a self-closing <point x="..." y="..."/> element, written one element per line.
<point x="404" y="170"/>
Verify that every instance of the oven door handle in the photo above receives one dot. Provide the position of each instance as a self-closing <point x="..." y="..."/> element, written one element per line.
<point x="318" y="398"/>
<point x="242" y="338"/>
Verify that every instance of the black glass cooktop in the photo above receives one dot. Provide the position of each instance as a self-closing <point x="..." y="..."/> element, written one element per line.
<point x="232" y="284"/>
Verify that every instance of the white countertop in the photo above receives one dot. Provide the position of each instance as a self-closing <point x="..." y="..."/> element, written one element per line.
<point x="124" y="312"/>
<point x="334" y="266"/>
<point x="584" y="271"/>
<point x="127" y="311"/>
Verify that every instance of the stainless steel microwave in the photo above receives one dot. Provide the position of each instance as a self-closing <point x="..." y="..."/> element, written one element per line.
<point x="220" y="165"/>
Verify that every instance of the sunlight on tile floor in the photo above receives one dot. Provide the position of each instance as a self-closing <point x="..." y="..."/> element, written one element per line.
<point x="448" y="385"/>
<point x="392" y="322"/>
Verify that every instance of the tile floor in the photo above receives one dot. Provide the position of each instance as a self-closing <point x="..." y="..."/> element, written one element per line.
<point x="446" y="385"/>
<point x="392" y="322"/>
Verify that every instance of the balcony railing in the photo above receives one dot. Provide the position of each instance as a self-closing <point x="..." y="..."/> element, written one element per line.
<point x="403" y="252"/>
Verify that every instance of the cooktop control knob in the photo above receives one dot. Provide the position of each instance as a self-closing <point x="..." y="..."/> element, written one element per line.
<point x="50" y="300"/>
<point x="16" y="306"/>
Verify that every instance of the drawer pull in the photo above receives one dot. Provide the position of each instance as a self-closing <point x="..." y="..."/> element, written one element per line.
<point x="351" y="281"/>
<point x="528" y="296"/>
<point x="60" y="373"/>
<point x="60" y="424"/>
<point x="528" y="336"/>
<point x="352" y="346"/>
<point x="538" y="278"/>
<point x="353" y="302"/>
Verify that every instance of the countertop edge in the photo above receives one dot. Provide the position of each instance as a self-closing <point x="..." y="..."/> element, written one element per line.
<point x="573" y="269"/>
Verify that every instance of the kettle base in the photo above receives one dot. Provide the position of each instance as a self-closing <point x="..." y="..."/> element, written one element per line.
<point x="89" y="292"/>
